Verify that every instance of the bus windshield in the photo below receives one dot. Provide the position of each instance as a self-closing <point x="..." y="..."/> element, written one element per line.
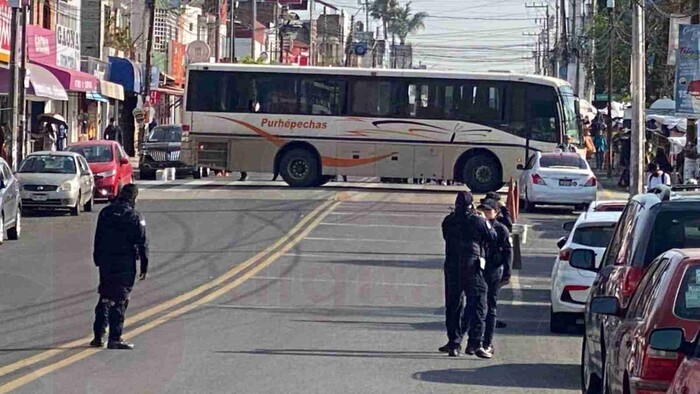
<point x="572" y="129"/>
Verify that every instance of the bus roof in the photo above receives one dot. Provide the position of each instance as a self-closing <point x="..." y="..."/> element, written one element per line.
<point x="497" y="76"/>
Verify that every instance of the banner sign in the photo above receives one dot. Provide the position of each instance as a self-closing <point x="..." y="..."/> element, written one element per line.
<point x="687" y="88"/>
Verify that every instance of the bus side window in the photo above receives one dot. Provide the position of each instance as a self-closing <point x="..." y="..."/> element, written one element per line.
<point x="542" y="103"/>
<point x="517" y="124"/>
<point x="321" y="95"/>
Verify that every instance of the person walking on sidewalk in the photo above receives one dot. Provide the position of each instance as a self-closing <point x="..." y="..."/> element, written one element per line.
<point x="499" y="254"/>
<point x="601" y="147"/>
<point x="120" y="239"/>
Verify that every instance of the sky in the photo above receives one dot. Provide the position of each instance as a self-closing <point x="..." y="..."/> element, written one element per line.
<point x="472" y="35"/>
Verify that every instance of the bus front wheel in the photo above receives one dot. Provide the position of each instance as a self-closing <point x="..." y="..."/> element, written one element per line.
<point x="482" y="173"/>
<point x="300" y="168"/>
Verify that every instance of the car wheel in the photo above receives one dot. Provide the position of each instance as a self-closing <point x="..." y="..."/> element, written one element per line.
<point x="300" y="168"/>
<point x="590" y="383"/>
<point x="16" y="231"/>
<point x="557" y="322"/>
<point x="88" y="205"/>
<point x="75" y="211"/>
<point x="205" y="172"/>
<point x="482" y="173"/>
<point x="197" y="173"/>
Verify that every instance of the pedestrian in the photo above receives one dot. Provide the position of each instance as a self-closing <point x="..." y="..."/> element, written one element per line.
<point x="499" y="254"/>
<point x="662" y="160"/>
<point x="465" y="234"/>
<point x="113" y="132"/>
<point x="657" y="176"/>
<point x="61" y="137"/>
<point x="625" y="153"/>
<point x="120" y="239"/>
<point x="50" y="137"/>
<point x="601" y="146"/>
<point x="504" y="217"/>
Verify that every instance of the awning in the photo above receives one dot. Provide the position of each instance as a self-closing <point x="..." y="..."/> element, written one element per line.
<point x="42" y="83"/>
<point x="96" y="97"/>
<point x="169" y="90"/>
<point x="74" y="80"/>
<point x="112" y="90"/>
<point x="126" y="73"/>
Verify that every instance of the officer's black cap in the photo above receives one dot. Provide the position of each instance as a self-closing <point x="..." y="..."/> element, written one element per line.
<point x="492" y="196"/>
<point x="464" y="199"/>
<point x="488" y="203"/>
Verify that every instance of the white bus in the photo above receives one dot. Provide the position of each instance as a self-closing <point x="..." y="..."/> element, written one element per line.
<point x="310" y="124"/>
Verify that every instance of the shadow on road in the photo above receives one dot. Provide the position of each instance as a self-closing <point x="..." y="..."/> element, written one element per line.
<point x="542" y="376"/>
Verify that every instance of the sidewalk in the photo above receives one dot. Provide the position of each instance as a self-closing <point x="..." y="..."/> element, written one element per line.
<point x="608" y="188"/>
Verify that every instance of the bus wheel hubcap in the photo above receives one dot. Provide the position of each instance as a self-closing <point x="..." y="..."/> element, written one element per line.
<point x="483" y="174"/>
<point x="298" y="169"/>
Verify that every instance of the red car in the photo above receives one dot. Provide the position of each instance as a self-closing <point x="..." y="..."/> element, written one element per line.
<point x="687" y="378"/>
<point x="108" y="162"/>
<point x="665" y="310"/>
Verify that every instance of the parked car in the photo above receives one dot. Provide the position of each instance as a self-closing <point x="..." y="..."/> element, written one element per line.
<point x="650" y="225"/>
<point x="560" y="178"/>
<point x="56" y="180"/>
<point x="687" y="379"/>
<point x="10" y="205"/>
<point x="162" y="150"/>
<point x="570" y="286"/>
<point x="665" y="307"/>
<point x="109" y="164"/>
<point x="607" y="206"/>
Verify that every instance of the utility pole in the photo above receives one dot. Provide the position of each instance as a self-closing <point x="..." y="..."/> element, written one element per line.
<point x="691" y="150"/>
<point x="564" y="36"/>
<point x="253" y="28"/>
<point x="14" y="102"/>
<point x="638" y="95"/>
<point x="545" y="50"/>
<point x="324" y="57"/>
<point x="151" y="5"/>
<point x="217" y="31"/>
<point x="575" y="45"/>
<point x="348" y="46"/>
<point x="312" y="49"/>
<point x="611" y="63"/>
<point x="232" y="30"/>
<point x="22" y="109"/>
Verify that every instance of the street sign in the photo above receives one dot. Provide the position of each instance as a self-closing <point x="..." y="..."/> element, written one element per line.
<point x="198" y="51"/>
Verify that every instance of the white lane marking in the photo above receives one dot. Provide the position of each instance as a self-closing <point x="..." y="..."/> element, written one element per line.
<point x="396" y="241"/>
<point x="517" y="290"/>
<point x="375" y="225"/>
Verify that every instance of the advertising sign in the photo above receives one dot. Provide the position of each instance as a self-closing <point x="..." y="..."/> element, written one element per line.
<point x="41" y="45"/>
<point x="68" y="36"/>
<point x="176" y="61"/>
<point x="5" y="19"/>
<point x="687" y="89"/>
<point x="675" y="21"/>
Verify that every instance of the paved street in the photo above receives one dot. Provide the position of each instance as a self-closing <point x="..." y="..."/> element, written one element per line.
<point x="269" y="289"/>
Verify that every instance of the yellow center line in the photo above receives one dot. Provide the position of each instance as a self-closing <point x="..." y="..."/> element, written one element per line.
<point x="10" y="368"/>
<point x="23" y="380"/>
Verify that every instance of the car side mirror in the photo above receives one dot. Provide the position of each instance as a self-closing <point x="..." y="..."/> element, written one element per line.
<point x="561" y="242"/>
<point x="583" y="259"/>
<point x="124" y="161"/>
<point x="605" y="306"/>
<point x="568" y="226"/>
<point x="520" y="167"/>
<point x="667" y="339"/>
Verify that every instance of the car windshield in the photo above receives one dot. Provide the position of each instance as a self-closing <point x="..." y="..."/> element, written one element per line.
<point x="673" y="229"/>
<point x="48" y="164"/>
<point x="593" y="236"/>
<point x="562" y="161"/>
<point x="165" y="134"/>
<point x="688" y="300"/>
<point x="93" y="153"/>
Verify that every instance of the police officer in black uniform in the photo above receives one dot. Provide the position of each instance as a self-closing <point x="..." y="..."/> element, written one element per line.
<point x="120" y="239"/>
<point x="504" y="217"/>
<point x="464" y="232"/>
<point x="497" y="273"/>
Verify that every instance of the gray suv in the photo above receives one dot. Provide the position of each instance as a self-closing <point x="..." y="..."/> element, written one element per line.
<point x="10" y="204"/>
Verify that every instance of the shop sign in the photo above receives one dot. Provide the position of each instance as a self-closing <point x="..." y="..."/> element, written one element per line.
<point x="5" y="19"/>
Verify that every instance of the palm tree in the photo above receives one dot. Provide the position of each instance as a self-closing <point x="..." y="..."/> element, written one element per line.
<point x="405" y="23"/>
<point x="384" y="10"/>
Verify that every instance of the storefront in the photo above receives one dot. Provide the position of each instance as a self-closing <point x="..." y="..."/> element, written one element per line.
<point x="114" y="94"/>
<point x="126" y="73"/>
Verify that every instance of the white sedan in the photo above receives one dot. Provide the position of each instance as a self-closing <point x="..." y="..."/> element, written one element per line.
<point x="571" y="286"/>
<point x="560" y="178"/>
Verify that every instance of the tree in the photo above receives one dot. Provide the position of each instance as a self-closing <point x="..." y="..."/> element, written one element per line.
<point x="384" y="10"/>
<point x="405" y="23"/>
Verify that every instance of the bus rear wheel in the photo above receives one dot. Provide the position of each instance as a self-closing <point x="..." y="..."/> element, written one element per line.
<point x="300" y="168"/>
<point x="482" y="173"/>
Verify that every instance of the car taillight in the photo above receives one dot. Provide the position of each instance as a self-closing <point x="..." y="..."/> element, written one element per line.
<point x="575" y="288"/>
<point x="591" y="182"/>
<point x="564" y="254"/>
<point x="537" y="180"/>
<point x="660" y="365"/>
<point x="631" y="280"/>
<point x="185" y="128"/>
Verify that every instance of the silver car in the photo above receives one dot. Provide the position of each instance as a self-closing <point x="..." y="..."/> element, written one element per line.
<point x="10" y="208"/>
<point x="56" y="180"/>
